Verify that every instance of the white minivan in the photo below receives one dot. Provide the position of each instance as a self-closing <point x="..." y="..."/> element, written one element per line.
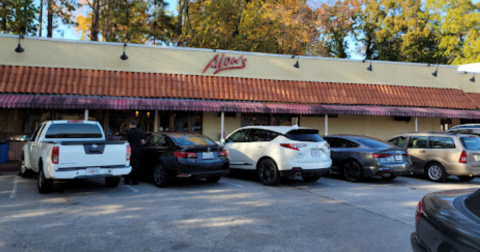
<point x="279" y="151"/>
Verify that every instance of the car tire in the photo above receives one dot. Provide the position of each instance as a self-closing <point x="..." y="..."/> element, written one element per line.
<point x="312" y="178"/>
<point x="160" y="178"/>
<point x="213" y="179"/>
<point x="44" y="185"/>
<point x="268" y="172"/>
<point x="435" y="172"/>
<point x="389" y="178"/>
<point x="465" y="178"/>
<point x="24" y="172"/>
<point x="353" y="171"/>
<point x="112" y="182"/>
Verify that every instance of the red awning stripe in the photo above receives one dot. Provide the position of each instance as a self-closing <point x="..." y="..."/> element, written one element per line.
<point x="118" y="103"/>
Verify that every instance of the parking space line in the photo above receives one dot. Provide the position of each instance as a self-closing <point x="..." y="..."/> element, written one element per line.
<point x="131" y="188"/>
<point x="14" y="191"/>
<point x="225" y="182"/>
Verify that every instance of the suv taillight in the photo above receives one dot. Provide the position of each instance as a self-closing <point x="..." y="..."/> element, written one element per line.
<point x="293" y="146"/>
<point x="129" y="152"/>
<point x="223" y="153"/>
<point x="463" y="158"/>
<point x="328" y="146"/>
<point x="376" y="155"/>
<point x="55" y="154"/>
<point x="185" y="154"/>
<point x="419" y="211"/>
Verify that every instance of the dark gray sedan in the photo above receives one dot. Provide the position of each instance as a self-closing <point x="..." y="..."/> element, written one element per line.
<point x="356" y="157"/>
<point x="448" y="221"/>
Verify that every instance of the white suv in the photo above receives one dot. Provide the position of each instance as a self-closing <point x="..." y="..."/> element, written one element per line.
<point x="279" y="151"/>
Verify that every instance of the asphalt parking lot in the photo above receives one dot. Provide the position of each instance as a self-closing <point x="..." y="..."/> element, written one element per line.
<point x="236" y="214"/>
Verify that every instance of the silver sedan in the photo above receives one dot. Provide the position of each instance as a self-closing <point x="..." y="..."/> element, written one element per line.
<point x="357" y="157"/>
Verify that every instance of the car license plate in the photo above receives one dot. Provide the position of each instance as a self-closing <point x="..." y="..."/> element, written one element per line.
<point x="207" y="155"/>
<point x="386" y="175"/>
<point x="398" y="158"/>
<point x="316" y="153"/>
<point x="92" y="171"/>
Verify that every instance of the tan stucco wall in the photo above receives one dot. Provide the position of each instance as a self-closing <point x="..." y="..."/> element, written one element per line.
<point x="212" y="121"/>
<point x="105" y="56"/>
<point x="464" y="82"/>
<point x="382" y="127"/>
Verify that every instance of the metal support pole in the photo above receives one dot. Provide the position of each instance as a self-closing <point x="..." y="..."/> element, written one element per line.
<point x="155" y="122"/>
<point x="86" y="114"/>
<point x="326" y="125"/>
<point x="222" y="125"/>
<point x="416" y="124"/>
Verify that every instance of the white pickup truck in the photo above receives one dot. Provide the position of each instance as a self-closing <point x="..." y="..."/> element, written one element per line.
<point x="73" y="150"/>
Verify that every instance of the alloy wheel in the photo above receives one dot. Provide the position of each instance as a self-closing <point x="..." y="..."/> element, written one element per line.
<point x="266" y="172"/>
<point x="158" y="175"/>
<point x="435" y="172"/>
<point x="352" y="171"/>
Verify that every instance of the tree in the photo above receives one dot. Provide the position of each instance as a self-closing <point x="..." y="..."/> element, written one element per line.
<point x="18" y="17"/>
<point x="458" y="24"/>
<point x="58" y="11"/>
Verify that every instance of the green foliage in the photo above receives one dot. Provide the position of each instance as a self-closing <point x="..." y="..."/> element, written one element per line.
<point x="18" y="17"/>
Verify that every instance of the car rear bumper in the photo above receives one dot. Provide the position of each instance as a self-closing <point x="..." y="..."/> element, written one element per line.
<point x="307" y="172"/>
<point x="462" y="170"/>
<point x="81" y="173"/>
<point x="417" y="245"/>
<point x="389" y="170"/>
<point x="286" y="165"/>
<point x="200" y="171"/>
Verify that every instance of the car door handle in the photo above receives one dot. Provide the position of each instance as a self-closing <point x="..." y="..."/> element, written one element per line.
<point x="422" y="151"/>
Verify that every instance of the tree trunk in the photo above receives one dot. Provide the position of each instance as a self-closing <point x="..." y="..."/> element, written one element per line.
<point x="107" y="14"/>
<point x="50" y="19"/>
<point x="40" y="19"/>
<point x="95" y="19"/>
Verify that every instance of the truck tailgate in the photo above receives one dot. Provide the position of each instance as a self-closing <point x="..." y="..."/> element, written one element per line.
<point x="92" y="154"/>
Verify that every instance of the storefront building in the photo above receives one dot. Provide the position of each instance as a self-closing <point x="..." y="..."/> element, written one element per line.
<point x="199" y="90"/>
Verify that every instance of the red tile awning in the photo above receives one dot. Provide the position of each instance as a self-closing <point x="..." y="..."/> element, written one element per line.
<point x="122" y="103"/>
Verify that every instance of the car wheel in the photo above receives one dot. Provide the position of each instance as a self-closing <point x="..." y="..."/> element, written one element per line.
<point x="160" y="176"/>
<point x="24" y="171"/>
<point x="389" y="178"/>
<point x="44" y="185"/>
<point x="268" y="172"/>
<point x="465" y="178"/>
<point x="312" y="178"/>
<point x="112" y="181"/>
<point x="353" y="171"/>
<point x="213" y="179"/>
<point x="436" y="172"/>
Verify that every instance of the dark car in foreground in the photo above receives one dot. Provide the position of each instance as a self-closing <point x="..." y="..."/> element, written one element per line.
<point x="448" y="221"/>
<point x="356" y="157"/>
<point x="170" y="156"/>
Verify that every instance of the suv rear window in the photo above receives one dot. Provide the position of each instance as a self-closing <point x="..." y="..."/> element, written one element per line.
<point x="470" y="143"/>
<point x="472" y="202"/>
<point x="73" y="130"/>
<point x="191" y="140"/>
<point x="307" y="135"/>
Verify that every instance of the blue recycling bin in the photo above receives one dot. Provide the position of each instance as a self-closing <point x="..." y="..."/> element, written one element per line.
<point x="4" y="152"/>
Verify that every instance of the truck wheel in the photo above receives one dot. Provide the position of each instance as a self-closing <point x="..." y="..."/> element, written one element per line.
<point x="160" y="176"/>
<point x="112" y="182"/>
<point x="44" y="185"/>
<point x="24" y="171"/>
<point x="312" y="178"/>
<point x="213" y="179"/>
<point x="268" y="173"/>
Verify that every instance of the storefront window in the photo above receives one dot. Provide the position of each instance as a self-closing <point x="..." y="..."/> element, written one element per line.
<point x="269" y="120"/>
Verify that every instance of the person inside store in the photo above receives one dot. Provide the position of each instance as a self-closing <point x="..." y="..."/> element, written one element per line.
<point x="136" y="138"/>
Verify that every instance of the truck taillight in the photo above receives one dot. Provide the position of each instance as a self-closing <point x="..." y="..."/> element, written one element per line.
<point x="419" y="211"/>
<point x="463" y="158"/>
<point x="185" y="154"/>
<point x="55" y="154"/>
<point x="129" y="152"/>
<point x="223" y="153"/>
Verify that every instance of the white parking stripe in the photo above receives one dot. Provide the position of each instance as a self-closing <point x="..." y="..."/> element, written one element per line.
<point x="14" y="191"/>
<point x="231" y="183"/>
<point x="131" y="187"/>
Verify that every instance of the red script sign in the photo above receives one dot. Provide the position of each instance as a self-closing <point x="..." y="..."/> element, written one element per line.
<point x="225" y="63"/>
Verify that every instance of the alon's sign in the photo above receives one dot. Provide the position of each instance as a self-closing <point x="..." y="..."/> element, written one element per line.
<point x="220" y="63"/>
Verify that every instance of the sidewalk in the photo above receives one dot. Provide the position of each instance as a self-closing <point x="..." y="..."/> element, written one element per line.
<point x="9" y="166"/>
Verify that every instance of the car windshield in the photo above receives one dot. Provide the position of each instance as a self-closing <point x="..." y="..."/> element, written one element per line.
<point x="307" y="135"/>
<point x="374" y="143"/>
<point x="73" y="130"/>
<point x="470" y="143"/>
<point x="191" y="140"/>
<point x="472" y="202"/>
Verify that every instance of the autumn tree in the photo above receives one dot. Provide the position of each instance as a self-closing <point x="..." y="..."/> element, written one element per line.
<point x="57" y="12"/>
<point x="18" y="17"/>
